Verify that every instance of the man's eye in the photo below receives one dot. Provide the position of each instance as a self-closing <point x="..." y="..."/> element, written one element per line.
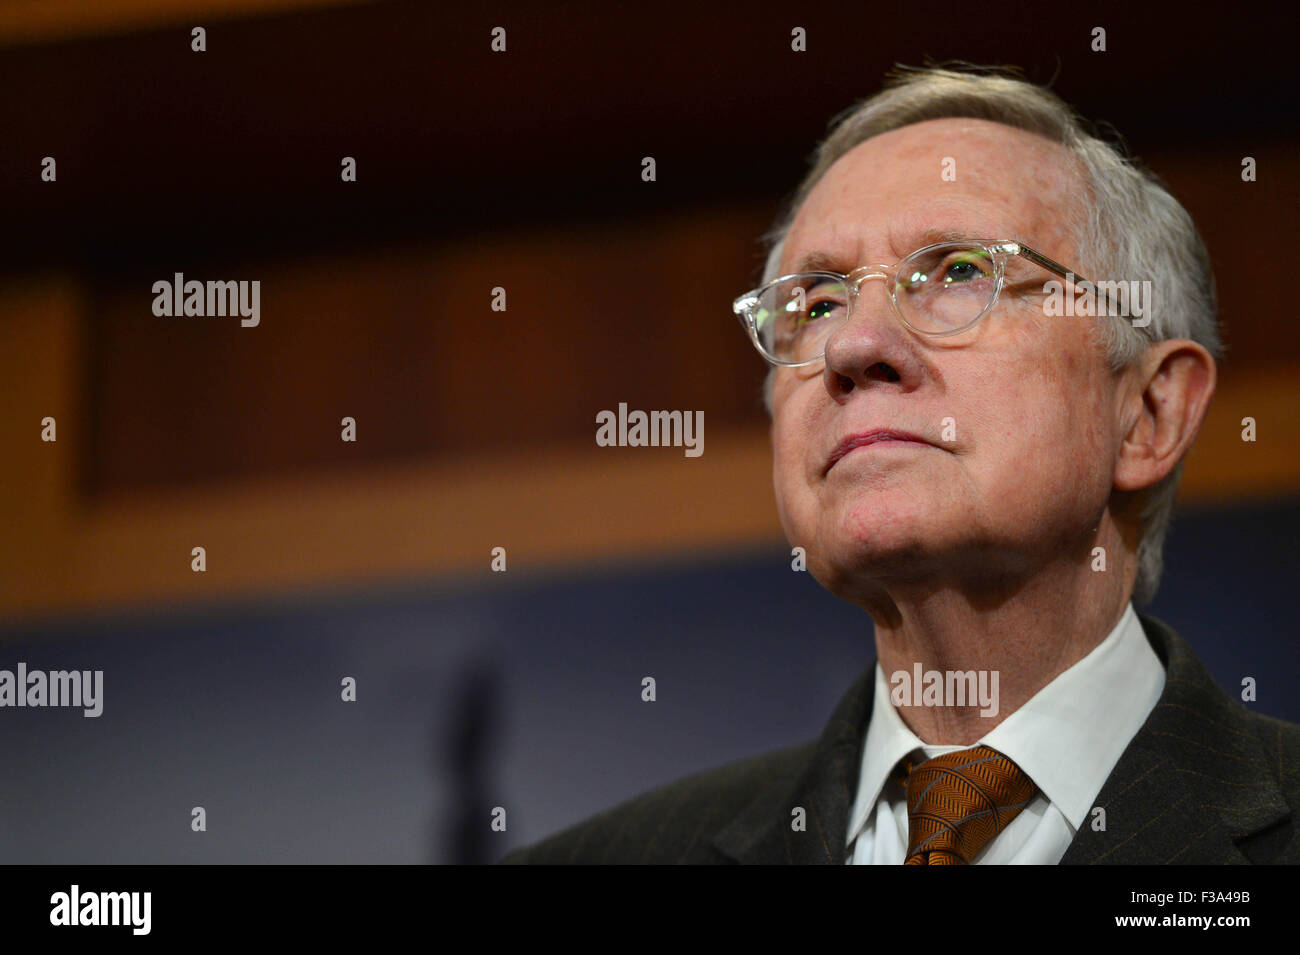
<point x="820" y="310"/>
<point x="815" y="311"/>
<point x="808" y="300"/>
<point x="964" y="270"/>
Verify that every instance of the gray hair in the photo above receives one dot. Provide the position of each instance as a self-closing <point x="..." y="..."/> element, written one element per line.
<point x="1131" y="227"/>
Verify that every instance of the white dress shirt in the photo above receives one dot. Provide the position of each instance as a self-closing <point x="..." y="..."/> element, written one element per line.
<point x="1067" y="738"/>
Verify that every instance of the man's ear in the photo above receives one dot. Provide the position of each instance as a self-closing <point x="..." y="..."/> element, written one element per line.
<point x="1170" y="394"/>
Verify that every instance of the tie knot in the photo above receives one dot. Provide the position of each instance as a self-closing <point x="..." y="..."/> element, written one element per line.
<point x="957" y="802"/>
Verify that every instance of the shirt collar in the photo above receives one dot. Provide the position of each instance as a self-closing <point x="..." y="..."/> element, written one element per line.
<point x="1067" y="737"/>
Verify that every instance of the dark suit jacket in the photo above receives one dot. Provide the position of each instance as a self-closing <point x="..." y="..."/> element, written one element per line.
<point x="1204" y="781"/>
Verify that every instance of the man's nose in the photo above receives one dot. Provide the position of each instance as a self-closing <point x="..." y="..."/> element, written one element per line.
<point x="868" y="345"/>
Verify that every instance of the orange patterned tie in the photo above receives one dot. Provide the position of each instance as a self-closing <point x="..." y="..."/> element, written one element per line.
<point x="959" y="801"/>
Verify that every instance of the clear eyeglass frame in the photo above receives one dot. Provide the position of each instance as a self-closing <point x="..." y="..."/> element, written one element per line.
<point x="998" y="250"/>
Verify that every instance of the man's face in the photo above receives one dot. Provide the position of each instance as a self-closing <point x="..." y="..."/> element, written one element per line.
<point x="1030" y="409"/>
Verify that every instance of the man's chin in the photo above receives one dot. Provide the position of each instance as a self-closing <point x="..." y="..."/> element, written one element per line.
<point x="854" y="570"/>
<point x="849" y="544"/>
<point x="881" y="530"/>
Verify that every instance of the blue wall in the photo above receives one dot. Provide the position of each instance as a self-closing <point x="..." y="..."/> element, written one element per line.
<point x="502" y="691"/>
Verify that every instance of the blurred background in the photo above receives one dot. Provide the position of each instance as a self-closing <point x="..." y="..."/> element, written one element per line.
<point x="371" y="559"/>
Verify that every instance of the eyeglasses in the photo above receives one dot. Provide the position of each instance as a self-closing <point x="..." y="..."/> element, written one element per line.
<point x="938" y="290"/>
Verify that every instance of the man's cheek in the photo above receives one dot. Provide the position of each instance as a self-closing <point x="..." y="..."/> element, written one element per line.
<point x="790" y="447"/>
<point x="796" y="510"/>
<point x="784" y="460"/>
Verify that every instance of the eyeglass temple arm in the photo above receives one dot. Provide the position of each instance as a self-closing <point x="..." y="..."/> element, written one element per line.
<point x="1052" y="266"/>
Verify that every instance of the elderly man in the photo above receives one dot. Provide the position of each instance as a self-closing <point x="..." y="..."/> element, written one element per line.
<point x="989" y="475"/>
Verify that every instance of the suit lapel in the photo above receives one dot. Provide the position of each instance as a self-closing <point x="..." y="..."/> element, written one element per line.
<point x="1193" y="782"/>
<point x="823" y="786"/>
<point x="1190" y="787"/>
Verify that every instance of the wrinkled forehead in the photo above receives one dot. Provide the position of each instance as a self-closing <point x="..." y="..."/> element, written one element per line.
<point x="932" y="181"/>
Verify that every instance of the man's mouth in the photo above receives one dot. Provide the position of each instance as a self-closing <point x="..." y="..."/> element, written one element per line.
<point x="870" y="438"/>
